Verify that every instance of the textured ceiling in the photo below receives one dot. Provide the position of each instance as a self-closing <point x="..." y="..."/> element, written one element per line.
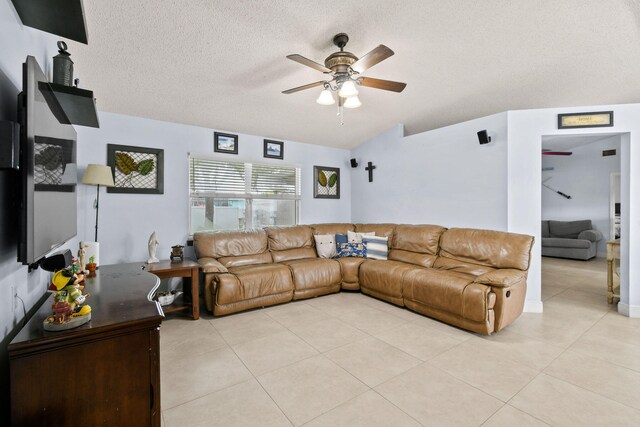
<point x="221" y="64"/>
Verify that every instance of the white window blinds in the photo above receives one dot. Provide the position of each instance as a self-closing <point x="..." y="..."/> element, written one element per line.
<point x="215" y="177"/>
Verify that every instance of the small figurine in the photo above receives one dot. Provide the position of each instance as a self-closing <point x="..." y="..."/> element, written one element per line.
<point x="153" y="246"/>
<point x="82" y="253"/>
<point x="91" y="266"/>
<point x="176" y="253"/>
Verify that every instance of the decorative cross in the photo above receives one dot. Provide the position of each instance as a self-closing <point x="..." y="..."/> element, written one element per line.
<point x="370" y="169"/>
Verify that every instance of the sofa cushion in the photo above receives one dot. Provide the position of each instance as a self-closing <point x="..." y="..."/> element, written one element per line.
<point x="385" y="230"/>
<point x="557" y="242"/>
<point x="384" y="278"/>
<point x="449" y="291"/>
<point x="229" y="244"/>
<point x="489" y="248"/>
<point x="568" y="229"/>
<point x="314" y="273"/>
<point x="423" y="260"/>
<point x="236" y="261"/>
<point x="351" y="250"/>
<point x="253" y="281"/>
<point x="284" y="238"/>
<point x="545" y="229"/>
<point x="417" y="238"/>
<point x="292" y="254"/>
<point x="334" y="228"/>
<point x="377" y="247"/>
<point x="350" y="267"/>
<point x="289" y="243"/>
<point x="443" y="263"/>
<point x="325" y="245"/>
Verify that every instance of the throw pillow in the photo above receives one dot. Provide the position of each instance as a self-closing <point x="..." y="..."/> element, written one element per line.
<point x="357" y="237"/>
<point x="325" y="245"/>
<point x="341" y="238"/>
<point x="351" y="250"/>
<point x="377" y="247"/>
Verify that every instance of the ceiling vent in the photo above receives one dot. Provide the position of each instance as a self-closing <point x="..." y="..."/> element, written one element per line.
<point x="606" y="153"/>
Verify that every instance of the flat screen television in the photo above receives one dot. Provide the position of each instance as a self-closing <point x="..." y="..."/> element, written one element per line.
<point x="48" y="199"/>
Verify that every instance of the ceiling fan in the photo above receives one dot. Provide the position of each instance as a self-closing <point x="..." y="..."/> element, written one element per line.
<point x="547" y="152"/>
<point x="343" y="73"/>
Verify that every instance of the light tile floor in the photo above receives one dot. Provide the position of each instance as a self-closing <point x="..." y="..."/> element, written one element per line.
<point x="350" y="360"/>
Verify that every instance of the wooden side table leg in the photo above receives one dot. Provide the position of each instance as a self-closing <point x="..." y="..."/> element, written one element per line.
<point x="195" y="293"/>
<point x="610" y="281"/>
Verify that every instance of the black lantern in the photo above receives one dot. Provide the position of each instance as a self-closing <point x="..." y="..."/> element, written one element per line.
<point x="62" y="66"/>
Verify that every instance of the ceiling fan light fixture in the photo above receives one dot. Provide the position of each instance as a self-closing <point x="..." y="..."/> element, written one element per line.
<point x="352" y="102"/>
<point x="348" y="89"/>
<point x="326" y="98"/>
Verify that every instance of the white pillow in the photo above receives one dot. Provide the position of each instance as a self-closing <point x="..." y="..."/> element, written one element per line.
<point x="377" y="247"/>
<point x="325" y="245"/>
<point x="357" y="237"/>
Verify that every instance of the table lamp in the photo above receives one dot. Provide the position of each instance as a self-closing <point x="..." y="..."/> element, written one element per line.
<point x="98" y="175"/>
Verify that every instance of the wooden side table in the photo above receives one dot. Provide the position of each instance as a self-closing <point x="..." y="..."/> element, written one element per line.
<point x="613" y="253"/>
<point x="186" y="269"/>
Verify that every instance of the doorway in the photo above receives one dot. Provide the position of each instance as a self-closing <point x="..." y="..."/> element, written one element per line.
<point x="580" y="180"/>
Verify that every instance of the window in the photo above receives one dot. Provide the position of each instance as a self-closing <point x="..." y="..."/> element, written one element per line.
<point x="238" y="196"/>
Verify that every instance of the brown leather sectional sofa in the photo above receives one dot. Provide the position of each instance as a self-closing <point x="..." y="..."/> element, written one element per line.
<point x="473" y="279"/>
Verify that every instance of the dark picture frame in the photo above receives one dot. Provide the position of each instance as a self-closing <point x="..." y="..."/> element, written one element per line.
<point x="273" y="149"/>
<point x="225" y="143"/>
<point x="136" y="170"/>
<point x="563" y="117"/>
<point x="326" y="182"/>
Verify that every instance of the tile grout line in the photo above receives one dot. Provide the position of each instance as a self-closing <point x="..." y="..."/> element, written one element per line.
<point x="258" y="381"/>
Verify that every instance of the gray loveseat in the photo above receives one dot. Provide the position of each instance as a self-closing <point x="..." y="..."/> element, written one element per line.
<point x="570" y="239"/>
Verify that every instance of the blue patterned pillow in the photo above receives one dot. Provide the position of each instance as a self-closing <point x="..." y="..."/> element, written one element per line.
<point x="351" y="250"/>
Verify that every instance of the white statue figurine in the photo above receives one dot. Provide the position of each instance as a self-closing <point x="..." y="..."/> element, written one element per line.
<point x="82" y="253"/>
<point x="153" y="245"/>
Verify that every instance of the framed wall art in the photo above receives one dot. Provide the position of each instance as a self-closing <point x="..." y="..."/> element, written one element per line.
<point x="225" y="143"/>
<point x="136" y="169"/>
<point x="326" y="182"/>
<point x="273" y="149"/>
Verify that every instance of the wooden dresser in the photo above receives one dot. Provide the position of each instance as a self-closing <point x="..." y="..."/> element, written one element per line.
<point x="106" y="372"/>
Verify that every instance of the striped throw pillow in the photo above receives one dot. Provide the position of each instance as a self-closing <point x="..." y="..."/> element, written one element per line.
<point x="376" y="246"/>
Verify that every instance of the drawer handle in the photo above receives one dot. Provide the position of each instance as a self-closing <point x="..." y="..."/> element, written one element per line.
<point x="508" y="294"/>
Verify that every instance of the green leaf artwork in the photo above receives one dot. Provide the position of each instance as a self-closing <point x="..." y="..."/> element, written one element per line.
<point x="145" y="167"/>
<point x="50" y="157"/>
<point x="332" y="180"/>
<point x="125" y="163"/>
<point x="322" y="178"/>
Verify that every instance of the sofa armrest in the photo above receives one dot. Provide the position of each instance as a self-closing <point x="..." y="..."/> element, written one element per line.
<point x="591" y="235"/>
<point x="502" y="278"/>
<point x="211" y="265"/>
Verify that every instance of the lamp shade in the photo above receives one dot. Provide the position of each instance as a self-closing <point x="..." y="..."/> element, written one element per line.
<point x="352" y="102"/>
<point x="98" y="175"/>
<point x="348" y="89"/>
<point x="325" y="98"/>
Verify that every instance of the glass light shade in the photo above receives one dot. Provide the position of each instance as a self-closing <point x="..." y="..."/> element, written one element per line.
<point x="98" y="175"/>
<point x="348" y="89"/>
<point x="352" y="102"/>
<point x="326" y="98"/>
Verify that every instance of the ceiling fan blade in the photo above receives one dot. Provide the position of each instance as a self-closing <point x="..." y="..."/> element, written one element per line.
<point x="377" y="55"/>
<point x="309" y="63"/>
<point x="382" y="84"/>
<point x="556" y="153"/>
<point x="299" y="88"/>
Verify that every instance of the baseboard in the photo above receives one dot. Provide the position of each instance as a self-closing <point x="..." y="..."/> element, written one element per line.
<point x="629" y="310"/>
<point x="533" y="306"/>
